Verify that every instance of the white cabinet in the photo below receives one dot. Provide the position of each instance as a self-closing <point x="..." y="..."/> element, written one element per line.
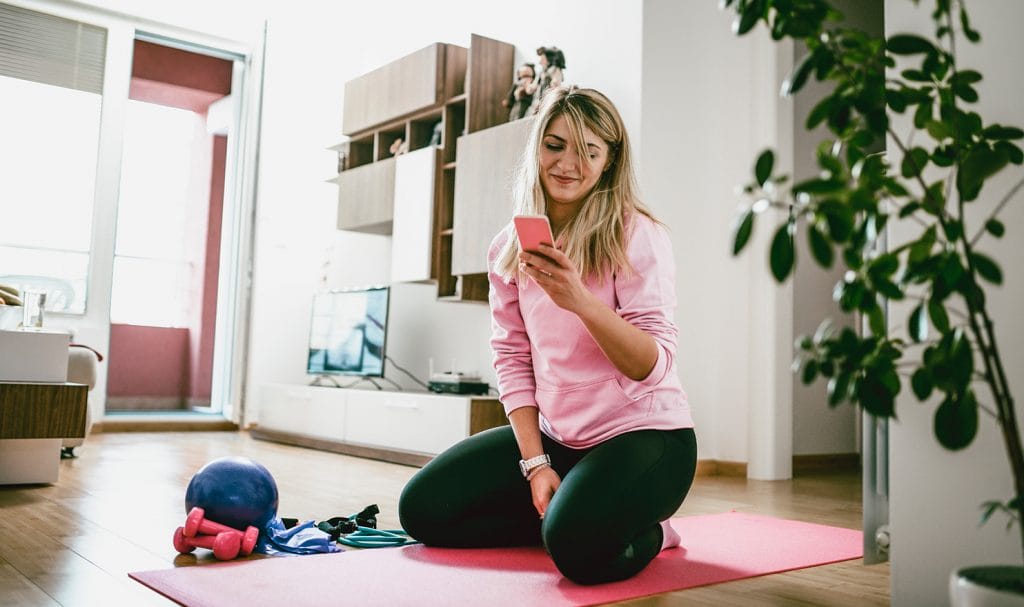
<point x="484" y="185"/>
<point x="307" y="410"/>
<point x="403" y="427"/>
<point x="411" y="422"/>
<point x="412" y="231"/>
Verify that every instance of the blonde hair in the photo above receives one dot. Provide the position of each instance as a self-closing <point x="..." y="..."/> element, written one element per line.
<point x="595" y="237"/>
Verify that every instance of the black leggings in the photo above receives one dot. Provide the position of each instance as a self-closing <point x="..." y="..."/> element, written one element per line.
<point x="602" y="524"/>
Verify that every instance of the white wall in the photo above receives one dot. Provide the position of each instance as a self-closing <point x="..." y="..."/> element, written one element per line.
<point x="935" y="494"/>
<point x="709" y="105"/>
<point x="308" y="62"/>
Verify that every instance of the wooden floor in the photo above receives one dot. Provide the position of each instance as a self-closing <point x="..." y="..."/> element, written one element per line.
<point x="116" y="506"/>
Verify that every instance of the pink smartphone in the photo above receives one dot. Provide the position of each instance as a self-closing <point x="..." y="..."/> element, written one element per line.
<point x="532" y="231"/>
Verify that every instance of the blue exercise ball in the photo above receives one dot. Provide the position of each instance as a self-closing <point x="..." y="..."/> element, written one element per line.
<point x="234" y="491"/>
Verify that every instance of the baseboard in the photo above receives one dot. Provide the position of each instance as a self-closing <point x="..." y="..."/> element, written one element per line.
<point x="713" y="467"/>
<point x="394" y="456"/>
<point x="145" y="403"/>
<point x="163" y="423"/>
<point x="823" y="463"/>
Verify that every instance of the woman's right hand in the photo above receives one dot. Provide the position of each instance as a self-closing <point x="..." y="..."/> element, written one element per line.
<point x="543" y="486"/>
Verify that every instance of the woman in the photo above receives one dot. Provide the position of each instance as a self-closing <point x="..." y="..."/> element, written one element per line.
<point x="584" y="351"/>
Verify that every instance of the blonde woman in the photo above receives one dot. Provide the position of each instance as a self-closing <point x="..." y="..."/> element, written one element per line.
<point x="601" y="449"/>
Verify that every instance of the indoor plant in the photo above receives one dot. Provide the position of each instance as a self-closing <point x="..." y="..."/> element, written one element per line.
<point x="950" y="348"/>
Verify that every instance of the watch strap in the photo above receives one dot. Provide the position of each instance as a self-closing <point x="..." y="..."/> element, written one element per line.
<point x="525" y="465"/>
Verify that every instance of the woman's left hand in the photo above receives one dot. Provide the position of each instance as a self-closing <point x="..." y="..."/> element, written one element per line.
<point x="554" y="272"/>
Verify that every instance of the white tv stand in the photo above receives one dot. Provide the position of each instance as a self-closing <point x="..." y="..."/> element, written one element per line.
<point x="401" y="427"/>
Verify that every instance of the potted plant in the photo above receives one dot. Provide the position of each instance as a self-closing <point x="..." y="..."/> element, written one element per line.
<point x="872" y="176"/>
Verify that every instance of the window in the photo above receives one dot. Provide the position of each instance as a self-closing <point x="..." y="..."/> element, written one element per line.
<point x="48" y="153"/>
<point x="51" y="81"/>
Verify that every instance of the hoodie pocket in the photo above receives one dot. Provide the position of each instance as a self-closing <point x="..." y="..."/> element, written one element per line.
<point x="588" y="411"/>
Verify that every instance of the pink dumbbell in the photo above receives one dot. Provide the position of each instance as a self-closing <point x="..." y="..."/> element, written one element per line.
<point x="225" y="545"/>
<point x="196" y="523"/>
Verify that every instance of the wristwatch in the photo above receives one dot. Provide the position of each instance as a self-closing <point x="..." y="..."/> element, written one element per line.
<point x="525" y="465"/>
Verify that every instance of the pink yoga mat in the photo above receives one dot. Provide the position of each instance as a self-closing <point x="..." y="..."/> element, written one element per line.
<point x="716" y="548"/>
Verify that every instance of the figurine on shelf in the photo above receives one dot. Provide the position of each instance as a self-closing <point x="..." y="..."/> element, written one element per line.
<point x="398" y="146"/>
<point x="552" y="61"/>
<point x="435" y="137"/>
<point x="520" y="96"/>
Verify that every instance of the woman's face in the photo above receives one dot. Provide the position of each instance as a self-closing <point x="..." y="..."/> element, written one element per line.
<point x="542" y="59"/>
<point x="567" y="181"/>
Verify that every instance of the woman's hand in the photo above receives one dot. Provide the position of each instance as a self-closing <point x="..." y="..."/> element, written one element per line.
<point x="543" y="486"/>
<point x="556" y="274"/>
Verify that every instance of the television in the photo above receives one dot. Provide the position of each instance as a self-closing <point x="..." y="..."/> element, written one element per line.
<point x="348" y="332"/>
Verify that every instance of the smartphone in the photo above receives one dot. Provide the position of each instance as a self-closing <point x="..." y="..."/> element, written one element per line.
<point x="533" y="230"/>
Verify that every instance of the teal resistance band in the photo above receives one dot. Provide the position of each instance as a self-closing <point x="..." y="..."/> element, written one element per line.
<point x="368" y="537"/>
<point x="360" y="531"/>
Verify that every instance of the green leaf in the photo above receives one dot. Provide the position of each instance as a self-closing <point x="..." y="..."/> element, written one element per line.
<point x="908" y="44"/>
<point x="810" y="372"/>
<point x="819" y="113"/>
<point x="763" y="167"/>
<point x="909" y="208"/>
<point x="876" y="318"/>
<point x="980" y="164"/>
<point x="888" y="289"/>
<point x="820" y="246"/>
<point x="995" y="227"/>
<point x="799" y="78"/>
<point x="782" y="256"/>
<point x="875" y="395"/>
<point x="922" y="248"/>
<point x="937" y="312"/>
<point x="1014" y="153"/>
<point x="966" y="92"/>
<point x="987" y="268"/>
<point x="961" y="358"/>
<point x="914" y="162"/>
<point x="922" y="384"/>
<point x="997" y="131"/>
<point x="747" y="18"/>
<point x="818" y="186"/>
<point x="939" y="130"/>
<point x="956" y="421"/>
<point x="953" y="229"/>
<point x="896" y="100"/>
<point x="839" y="219"/>
<point x="916" y="76"/>
<point x="965" y="23"/>
<point x="965" y="77"/>
<point x="923" y="114"/>
<point x="917" y="325"/>
<point x="839" y="388"/>
<point x="744" y="227"/>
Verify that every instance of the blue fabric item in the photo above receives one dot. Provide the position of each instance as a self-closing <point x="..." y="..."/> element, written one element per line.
<point x="304" y="538"/>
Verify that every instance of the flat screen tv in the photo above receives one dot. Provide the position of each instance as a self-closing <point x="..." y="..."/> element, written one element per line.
<point x="348" y="332"/>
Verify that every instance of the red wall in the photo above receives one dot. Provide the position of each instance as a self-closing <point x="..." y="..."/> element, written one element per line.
<point x="147" y="361"/>
<point x="202" y="337"/>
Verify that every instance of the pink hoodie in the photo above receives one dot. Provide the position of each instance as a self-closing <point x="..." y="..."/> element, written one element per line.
<point x="544" y="357"/>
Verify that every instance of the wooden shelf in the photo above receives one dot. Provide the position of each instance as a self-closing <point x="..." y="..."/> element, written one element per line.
<point x="444" y="92"/>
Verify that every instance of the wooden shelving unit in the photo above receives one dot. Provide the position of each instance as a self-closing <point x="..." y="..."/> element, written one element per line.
<point x="433" y="97"/>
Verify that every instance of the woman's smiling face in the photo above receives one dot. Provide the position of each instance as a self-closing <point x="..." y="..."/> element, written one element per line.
<point x="566" y="178"/>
